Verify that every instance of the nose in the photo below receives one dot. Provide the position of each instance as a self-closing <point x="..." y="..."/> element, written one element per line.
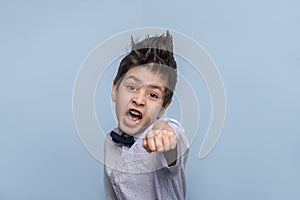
<point x="138" y="98"/>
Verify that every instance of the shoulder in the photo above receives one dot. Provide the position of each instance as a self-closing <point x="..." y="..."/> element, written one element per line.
<point x="174" y="124"/>
<point x="108" y="142"/>
<point x="177" y="128"/>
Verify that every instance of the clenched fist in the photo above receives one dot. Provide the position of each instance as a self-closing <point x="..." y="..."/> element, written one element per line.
<point x="163" y="139"/>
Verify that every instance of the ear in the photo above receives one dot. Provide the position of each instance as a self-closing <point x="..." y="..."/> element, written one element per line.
<point x="114" y="93"/>
<point x="164" y="108"/>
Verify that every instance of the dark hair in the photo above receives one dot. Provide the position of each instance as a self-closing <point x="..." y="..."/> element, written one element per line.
<point x="155" y="52"/>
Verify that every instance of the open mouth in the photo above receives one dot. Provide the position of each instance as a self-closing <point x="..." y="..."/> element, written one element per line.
<point x="134" y="115"/>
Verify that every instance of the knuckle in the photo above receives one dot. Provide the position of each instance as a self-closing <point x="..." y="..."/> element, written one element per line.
<point x="158" y="145"/>
<point x="152" y="149"/>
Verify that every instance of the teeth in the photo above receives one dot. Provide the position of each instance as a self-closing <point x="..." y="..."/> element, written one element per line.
<point x="135" y="113"/>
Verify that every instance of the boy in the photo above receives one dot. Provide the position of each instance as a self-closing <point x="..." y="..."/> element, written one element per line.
<point x="145" y="156"/>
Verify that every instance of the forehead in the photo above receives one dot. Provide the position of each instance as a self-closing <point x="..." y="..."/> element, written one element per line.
<point x="144" y="75"/>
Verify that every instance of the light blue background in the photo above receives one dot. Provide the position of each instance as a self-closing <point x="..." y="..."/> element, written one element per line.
<point x="255" y="45"/>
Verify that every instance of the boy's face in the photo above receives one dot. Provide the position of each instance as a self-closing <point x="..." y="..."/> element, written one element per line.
<point x="139" y="98"/>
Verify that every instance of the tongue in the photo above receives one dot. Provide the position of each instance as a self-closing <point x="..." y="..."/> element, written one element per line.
<point x="134" y="117"/>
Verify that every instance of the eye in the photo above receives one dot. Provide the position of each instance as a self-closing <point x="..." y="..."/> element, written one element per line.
<point x="131" y="88"/>
<point x="153" y="95"/>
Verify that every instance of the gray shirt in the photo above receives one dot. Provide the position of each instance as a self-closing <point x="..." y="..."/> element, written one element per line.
<point x="133" y="173"/>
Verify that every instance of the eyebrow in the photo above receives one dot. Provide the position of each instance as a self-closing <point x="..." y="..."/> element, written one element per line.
<point x="157" y="87"/>
<point x="151" y="85"/>
<point x="134" y="78"/>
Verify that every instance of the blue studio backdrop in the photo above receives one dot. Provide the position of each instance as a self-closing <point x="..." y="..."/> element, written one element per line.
<point x="255" y="45"/>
